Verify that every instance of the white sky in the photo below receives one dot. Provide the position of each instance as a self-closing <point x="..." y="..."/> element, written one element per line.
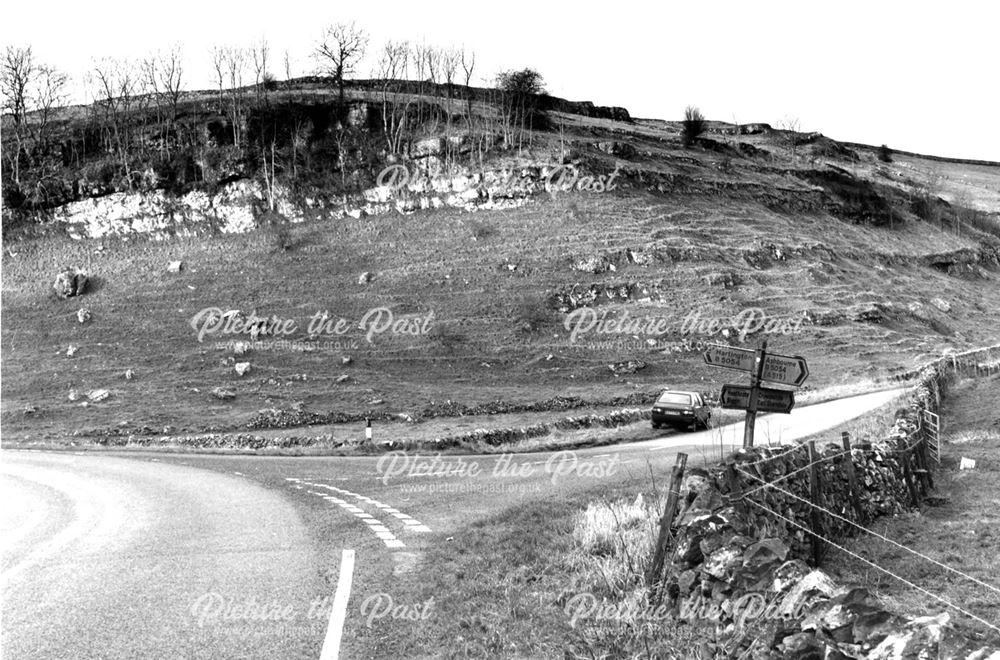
<point x="915" y="75"/>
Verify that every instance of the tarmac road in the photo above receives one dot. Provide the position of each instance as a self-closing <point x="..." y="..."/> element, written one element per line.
<point x="153" y="555"/>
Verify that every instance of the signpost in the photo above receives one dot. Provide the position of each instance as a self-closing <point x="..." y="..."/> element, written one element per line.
<point x="768" y="400"/>
<point x="784" y="369"/>
<point x="762" y="366"/>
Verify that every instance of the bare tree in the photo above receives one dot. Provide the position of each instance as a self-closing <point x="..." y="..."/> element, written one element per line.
<point x="288" y="66"/>
<point x="161" y="75"/>
<point x="171" y="73"/>
<point x="48" y="92"/>
<point x="791" y="127"/>
<point x="468" y="61"/>
<point x="234" y="61"/>
<point x="259" y="52"/>
<point x="16" y="72"/>
<point x="393" y="65"/>
<point x="450" y="59"/>
<point x="339" y="49"/>
<point x="219" y="66"/>
<point x="114" y="84"/>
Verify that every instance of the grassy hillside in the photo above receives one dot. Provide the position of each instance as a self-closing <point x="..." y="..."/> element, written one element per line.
<point x="866" y="262"/>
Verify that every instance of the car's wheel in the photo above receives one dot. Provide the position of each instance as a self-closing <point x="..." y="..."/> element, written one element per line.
<point x="655" y="425"/>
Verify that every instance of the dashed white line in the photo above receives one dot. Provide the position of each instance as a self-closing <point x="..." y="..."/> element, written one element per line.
<point x="374" y="524"/>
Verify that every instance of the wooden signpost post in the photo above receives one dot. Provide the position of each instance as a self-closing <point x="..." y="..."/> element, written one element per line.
<point x="762" y="366"/>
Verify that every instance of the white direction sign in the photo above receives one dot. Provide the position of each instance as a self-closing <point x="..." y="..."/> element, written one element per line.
<point x="784" y="369"/>
<point x="768" y="400"/>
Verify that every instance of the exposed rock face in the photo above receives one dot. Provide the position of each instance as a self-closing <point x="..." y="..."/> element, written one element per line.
<point x="754" y="129"/>
<point x="231" y="210"/>
<point x="71" y="282"/>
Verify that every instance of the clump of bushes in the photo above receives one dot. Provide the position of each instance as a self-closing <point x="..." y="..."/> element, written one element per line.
<point x="693" y="125"/>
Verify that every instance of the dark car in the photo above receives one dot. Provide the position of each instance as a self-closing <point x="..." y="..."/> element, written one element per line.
<point x="677" y="408"/>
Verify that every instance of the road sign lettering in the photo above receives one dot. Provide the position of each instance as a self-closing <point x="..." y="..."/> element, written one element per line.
<point x="737" y="397"/>
<point x="783" y="369"/>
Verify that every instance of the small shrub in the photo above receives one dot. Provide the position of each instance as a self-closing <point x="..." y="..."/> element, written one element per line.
<point x="531" y="315"/>
<point x="692" y="126"/>
<point x="480" y="231"/>
<point x="885" y="154"/>
<point x="279" y="233"/>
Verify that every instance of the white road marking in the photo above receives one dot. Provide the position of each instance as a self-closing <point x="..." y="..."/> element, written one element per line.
<point x="374" y="524"/>
<point x="411" y="523"/>
<point x="338" y="613"/>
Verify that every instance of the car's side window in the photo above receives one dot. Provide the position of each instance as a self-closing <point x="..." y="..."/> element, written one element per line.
<point x="698" y="401"/>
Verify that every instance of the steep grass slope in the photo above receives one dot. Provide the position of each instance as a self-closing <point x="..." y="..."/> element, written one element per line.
<point x="860" y="263"/>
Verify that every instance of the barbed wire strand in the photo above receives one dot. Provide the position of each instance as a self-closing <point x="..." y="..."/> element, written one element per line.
<point x="788" y="474"/>
<point x="771" y="458"/>
<point x="884" y="570"/>
<point x="884" y="538"/>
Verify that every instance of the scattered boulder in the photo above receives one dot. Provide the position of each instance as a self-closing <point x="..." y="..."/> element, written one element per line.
<point x="95" y="396"/>
<point x="595" y="264"/>
<point x="175" y="266"/>
<point x="71" y="350"/>
<point x="129" y="374"/>
<point x="223" y="393"/>
<point x="726" y="279"/>
<point x="73" y="395"/>
<point x="941" y="304"/>
<point x="343" y="378"/>
<point x="627" y="367"/>
<point x="346" y="359"/>
<point x="83" y="315"/>
<point x="615" y="148"/>
<point x="71" y="282"/>
<point x="365" y="278"/>
<point x="241" y="368"/>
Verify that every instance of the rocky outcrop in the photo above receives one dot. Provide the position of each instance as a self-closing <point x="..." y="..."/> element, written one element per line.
<point x="70" y="283"/>
<point x="159" y="214"/>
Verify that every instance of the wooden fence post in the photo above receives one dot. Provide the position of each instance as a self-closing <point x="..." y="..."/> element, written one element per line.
<point x="923" y="464"/>
<point x="852" y="479"/>
<point x="815" y="495"/>
<point x="667" y="519"/>
<point x="908" y="477"/>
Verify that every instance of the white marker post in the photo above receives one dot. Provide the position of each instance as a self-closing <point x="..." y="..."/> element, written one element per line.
<point x="368" y="429"/>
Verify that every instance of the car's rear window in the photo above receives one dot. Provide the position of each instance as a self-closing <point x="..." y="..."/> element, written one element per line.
<point x="677" y="398"/>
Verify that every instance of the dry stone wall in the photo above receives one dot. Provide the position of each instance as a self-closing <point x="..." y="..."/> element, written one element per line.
<point x="743" y="552"/>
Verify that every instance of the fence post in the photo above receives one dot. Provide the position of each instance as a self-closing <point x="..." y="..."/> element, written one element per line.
<point x="667" y="519"/>
<point x="908" y="477"/>
<point x="815" y="496"/>
<point x="924" y="463"/>
<point x="852" y="479"/>
<point x="735" y="492"/>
